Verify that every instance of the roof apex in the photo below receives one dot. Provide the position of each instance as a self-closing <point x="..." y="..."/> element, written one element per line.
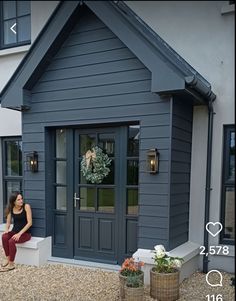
<point x="170" y="72"/>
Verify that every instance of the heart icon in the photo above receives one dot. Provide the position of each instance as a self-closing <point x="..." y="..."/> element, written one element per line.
<point x="216" y="228"/>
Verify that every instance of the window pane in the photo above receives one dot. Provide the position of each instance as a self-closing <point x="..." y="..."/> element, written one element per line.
<point x="9" y="35"/>
<point x="132" y="201"/>
<point x="107" y="143"/>
<point x="87" y="199"/>
<point x="23" y="8"/>
<point x="109" y="179"/>
<point x="61" y="172"/>
<point x="232" y="156"/>
<point x="61" y="198"/>
<point x="86" y="143"/>
<point x="61" y="143"/>
<point x="13" y="158"/>
<point x="9" y="9"/>
<point x="133" y="142"/>
<point x="229" y="226"/>
<point x="106" y="200"/>
<point x="23" y="29"/>
<point x="132" y="172"/>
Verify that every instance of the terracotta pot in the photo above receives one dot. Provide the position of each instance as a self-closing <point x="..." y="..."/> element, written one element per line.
<point x="164" y="286"/>
<point x="123" y="282"/>
<point x="134" y="293"/>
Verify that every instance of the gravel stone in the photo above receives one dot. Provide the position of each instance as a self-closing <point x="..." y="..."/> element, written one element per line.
<point x="62" y="282"/>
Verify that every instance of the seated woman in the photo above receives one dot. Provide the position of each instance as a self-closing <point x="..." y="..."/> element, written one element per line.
<point x="21" y="215"/>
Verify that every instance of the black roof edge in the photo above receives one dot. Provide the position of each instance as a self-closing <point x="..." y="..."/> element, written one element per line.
<point x="193" y="79"/>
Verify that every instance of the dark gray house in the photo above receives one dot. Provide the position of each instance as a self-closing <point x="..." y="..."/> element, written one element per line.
<point x="97" y="75"/>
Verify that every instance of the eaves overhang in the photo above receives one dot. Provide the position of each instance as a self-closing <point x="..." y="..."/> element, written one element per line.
<point x="171" y="74"/>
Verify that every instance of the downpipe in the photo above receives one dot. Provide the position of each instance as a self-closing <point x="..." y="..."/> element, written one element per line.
<point x="208" y="183"/>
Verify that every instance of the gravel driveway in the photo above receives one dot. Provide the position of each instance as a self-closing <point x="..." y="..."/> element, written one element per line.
<point x="63" y="282"/>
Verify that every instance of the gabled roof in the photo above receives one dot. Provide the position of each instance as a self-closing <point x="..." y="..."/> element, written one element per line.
<point x="170" y="72"/>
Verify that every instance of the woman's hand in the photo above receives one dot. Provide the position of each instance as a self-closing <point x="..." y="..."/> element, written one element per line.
<point x="16" y="236"/>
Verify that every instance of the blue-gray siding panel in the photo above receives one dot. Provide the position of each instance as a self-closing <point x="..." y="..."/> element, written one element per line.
<point x="181" y="142"/>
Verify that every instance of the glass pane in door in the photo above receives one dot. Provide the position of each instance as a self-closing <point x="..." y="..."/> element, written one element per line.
<point x="87" y="142"/>
<point x="87" y="199"/>
<point x="132" y="201"/>
<point x="106" y="200"/>
<point x="60" y="198"/>
<point x="107" y="143"/>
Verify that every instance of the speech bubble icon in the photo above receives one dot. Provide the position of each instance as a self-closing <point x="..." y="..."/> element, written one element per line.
<point x="214" y="281"/>
<point x="216" y="228"/>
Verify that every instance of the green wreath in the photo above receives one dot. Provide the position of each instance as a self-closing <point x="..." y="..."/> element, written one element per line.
<point x="94" y="165"/>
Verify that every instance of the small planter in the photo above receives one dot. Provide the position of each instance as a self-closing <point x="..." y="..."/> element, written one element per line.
<point x="123" y="282"/>
<point x="164" y="287"/>
<point x="134" y="293"/>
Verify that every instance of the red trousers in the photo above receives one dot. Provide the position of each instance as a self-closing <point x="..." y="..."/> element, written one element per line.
<point x="9" y="244"/>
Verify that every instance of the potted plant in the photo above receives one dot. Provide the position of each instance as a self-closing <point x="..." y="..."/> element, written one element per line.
<point x="129" y="268"/>
<point x="164" y="277"/>
<point x="134" y="288"/>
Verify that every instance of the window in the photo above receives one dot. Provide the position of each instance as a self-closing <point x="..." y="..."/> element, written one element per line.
<point x="12" y="167"/>
<point x="228" y="187"/>
<point x="132" y="170"/>
<point x="15" y="28"/>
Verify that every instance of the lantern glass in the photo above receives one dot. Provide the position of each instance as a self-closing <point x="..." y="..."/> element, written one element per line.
<point x="32" y="162"/>
<point x="152" y="161"/>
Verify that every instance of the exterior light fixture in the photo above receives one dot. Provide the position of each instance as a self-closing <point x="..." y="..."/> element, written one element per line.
<point x="32" y="161"/>
<point x="153" y="161"/>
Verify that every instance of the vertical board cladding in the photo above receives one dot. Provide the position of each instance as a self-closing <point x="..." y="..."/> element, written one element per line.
<point x="95" y="80"/>
<point x="181" y="143"/>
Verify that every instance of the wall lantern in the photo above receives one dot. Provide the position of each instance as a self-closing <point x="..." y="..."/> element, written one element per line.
<point x="153" y="161"/>
<point x="32" y="161"/>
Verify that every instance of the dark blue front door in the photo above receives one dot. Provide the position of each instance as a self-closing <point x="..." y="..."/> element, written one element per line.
<point x="97" y="222"/>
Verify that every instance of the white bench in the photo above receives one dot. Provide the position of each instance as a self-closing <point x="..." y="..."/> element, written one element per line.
<point x="189" y="251"/>
<point x="35" y="252"/>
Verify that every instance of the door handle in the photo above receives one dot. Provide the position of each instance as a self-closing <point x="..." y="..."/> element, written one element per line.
<point x="75" y="200"/>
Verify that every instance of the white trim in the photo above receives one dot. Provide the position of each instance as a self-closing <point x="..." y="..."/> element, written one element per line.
<point x="14" y="50"/>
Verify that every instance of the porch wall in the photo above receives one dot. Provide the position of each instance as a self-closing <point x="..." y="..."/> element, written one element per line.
<point x="95" y="80"/>
<point x="181" y="144"/>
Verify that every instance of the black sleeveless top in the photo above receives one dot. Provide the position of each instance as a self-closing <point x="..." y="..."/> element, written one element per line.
<point x="19" y="220"/>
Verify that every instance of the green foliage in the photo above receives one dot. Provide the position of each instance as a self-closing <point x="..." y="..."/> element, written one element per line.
<point x="130" y="273"/>
<point x="134" y="281"/>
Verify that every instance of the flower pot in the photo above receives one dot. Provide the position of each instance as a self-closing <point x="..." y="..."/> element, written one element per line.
<point x="164" y="286"/>
<point x="134" y="293"/>
<point x="123" y="282"/>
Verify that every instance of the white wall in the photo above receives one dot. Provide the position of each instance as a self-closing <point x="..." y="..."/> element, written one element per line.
<point x="40" y="13"/>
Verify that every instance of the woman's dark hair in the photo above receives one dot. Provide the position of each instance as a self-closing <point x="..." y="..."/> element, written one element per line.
<point x="11" y="202"/>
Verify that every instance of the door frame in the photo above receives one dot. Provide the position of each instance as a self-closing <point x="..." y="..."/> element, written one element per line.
<point x="66" y="250"/>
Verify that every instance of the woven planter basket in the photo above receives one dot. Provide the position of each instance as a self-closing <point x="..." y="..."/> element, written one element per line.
<point x="164" y="287"/>
<point x="123" y="282"/>
<point x="134" y="293"/>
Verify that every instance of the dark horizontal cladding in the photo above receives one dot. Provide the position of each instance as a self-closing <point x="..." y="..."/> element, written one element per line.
<point x="93" y="73"/>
